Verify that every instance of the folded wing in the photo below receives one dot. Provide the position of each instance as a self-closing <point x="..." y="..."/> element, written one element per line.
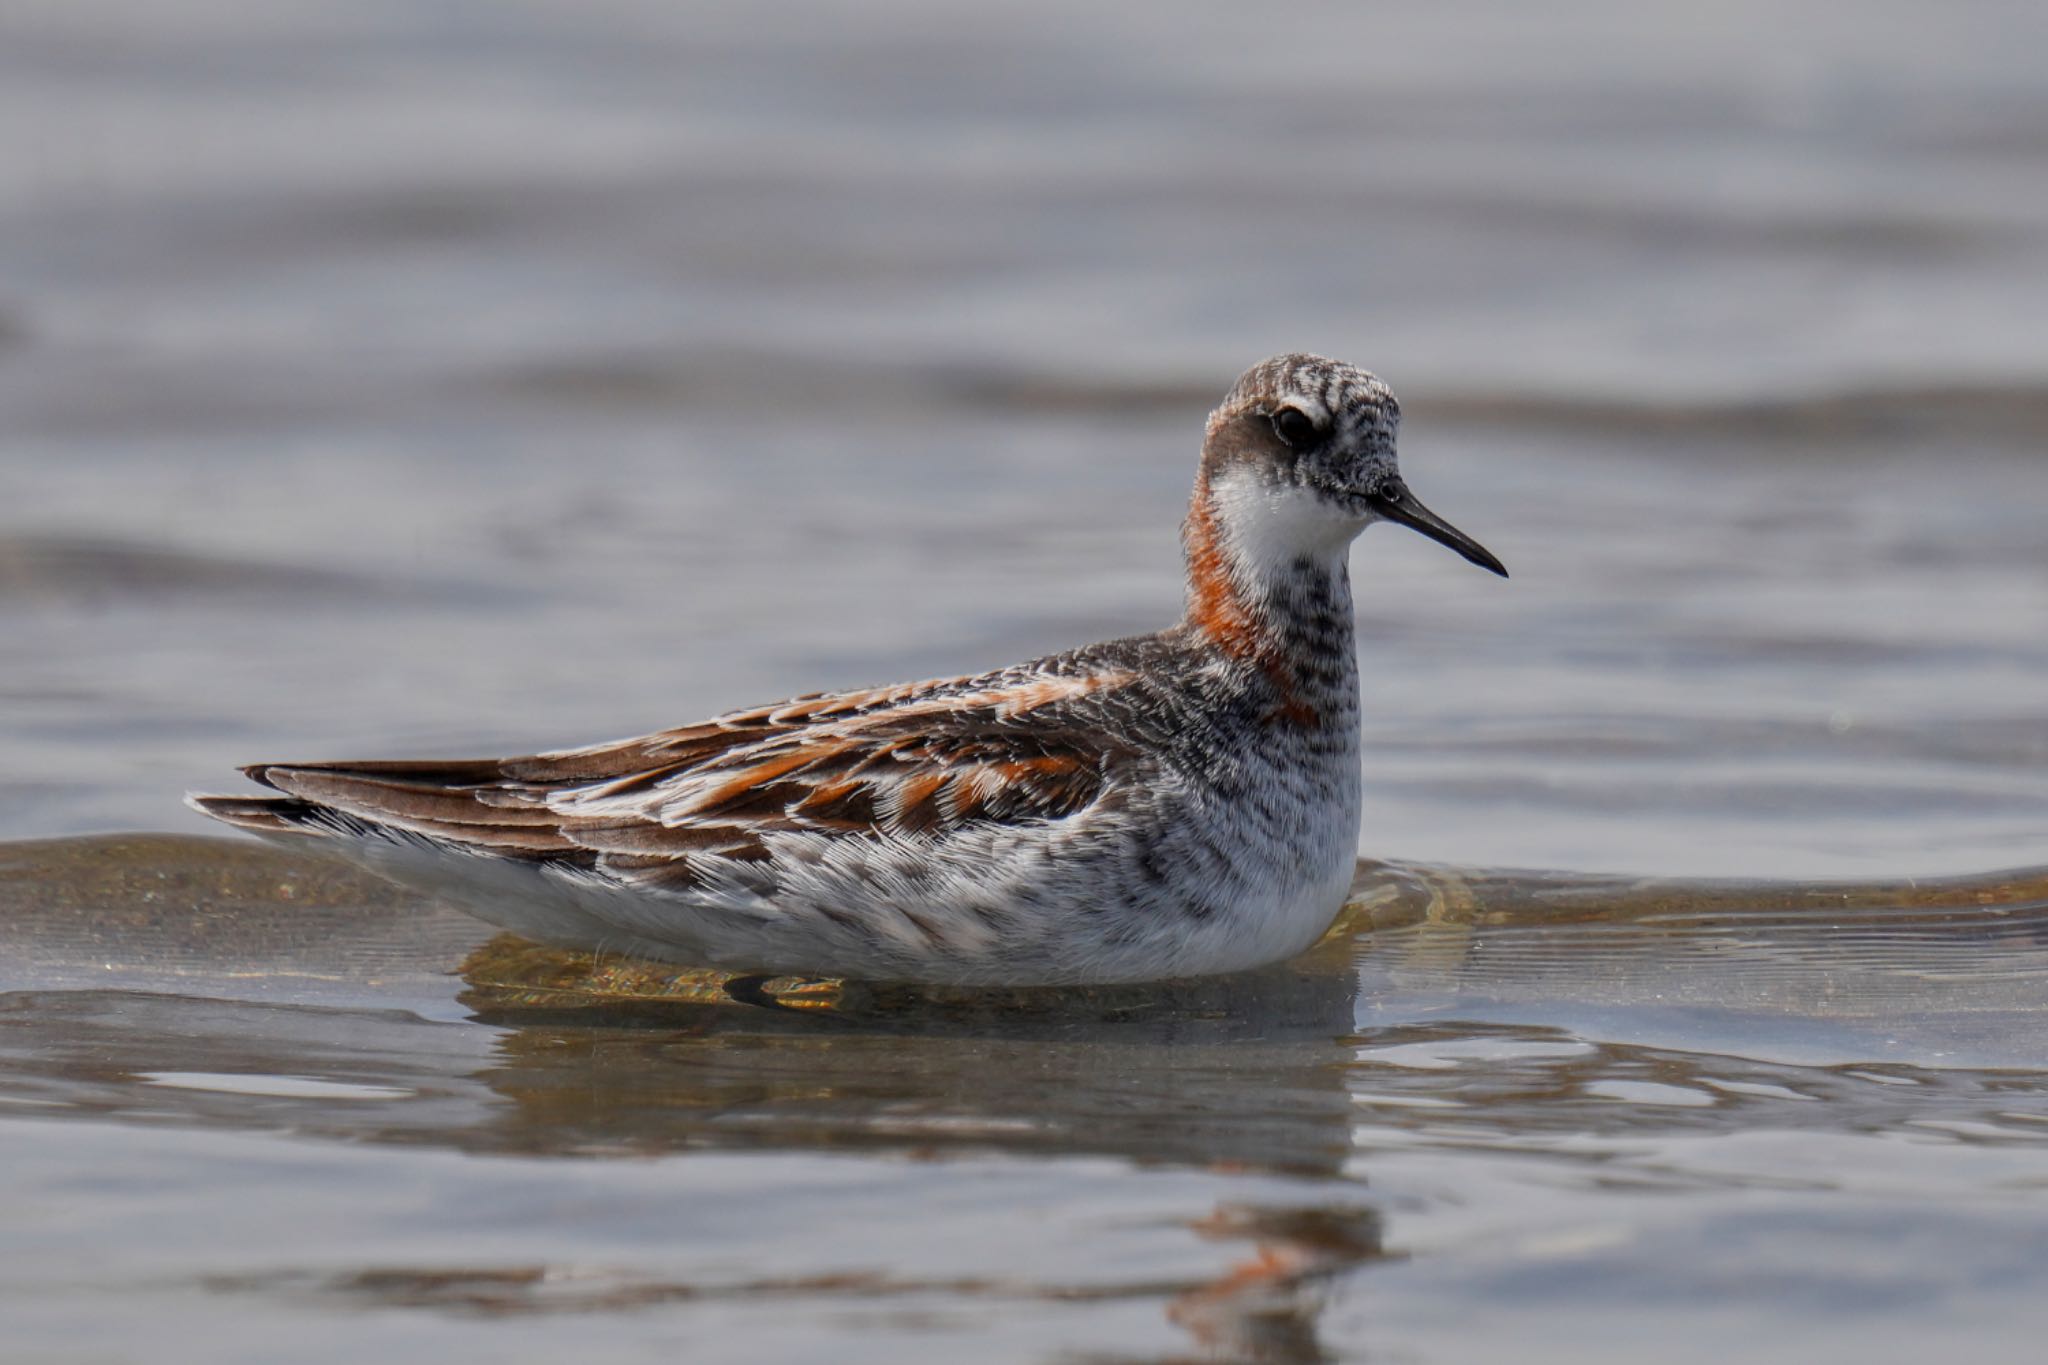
<point x="662" y="810"/>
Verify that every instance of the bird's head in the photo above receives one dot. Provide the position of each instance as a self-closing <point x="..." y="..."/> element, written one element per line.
<point x="1300" y="458"/>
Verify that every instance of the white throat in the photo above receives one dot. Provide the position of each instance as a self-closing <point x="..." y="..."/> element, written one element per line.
<point x="1267" y="529"/>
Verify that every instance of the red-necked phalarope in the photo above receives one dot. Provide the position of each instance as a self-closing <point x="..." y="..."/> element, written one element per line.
<point x="1167" y="805"/>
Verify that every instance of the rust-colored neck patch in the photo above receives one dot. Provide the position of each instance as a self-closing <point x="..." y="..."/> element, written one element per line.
<point x="1221" y="610"/>
<point x="1217" y="605"/>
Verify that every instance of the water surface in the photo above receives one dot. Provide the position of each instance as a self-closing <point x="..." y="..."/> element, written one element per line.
<point x="1625" y="1112"/>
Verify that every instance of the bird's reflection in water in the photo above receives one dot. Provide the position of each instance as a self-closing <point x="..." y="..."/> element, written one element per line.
<point x="1240" y="1076"/>
<point x="1242" y="1072"/>
<point x="1266" y="1308"/>
<point x="1262" y="1308"/>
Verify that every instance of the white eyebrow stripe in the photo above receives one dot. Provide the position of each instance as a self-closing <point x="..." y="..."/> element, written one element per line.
<point x="1315" y="407"/>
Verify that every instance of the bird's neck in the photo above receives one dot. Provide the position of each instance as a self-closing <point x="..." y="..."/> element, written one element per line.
<point x="1269" y="586"/>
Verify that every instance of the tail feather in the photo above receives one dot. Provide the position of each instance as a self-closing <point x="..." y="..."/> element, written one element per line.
<point x="457" y="815"/>
<point x="263" y="814"/>
<point x="429" y="772"/>
<point x="508" y="889"/>
<point x="448" y="803"/>
<point x="374" y="796"/>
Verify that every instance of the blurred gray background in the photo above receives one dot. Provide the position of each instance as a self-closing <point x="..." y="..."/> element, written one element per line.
<point x="408" y="378"/>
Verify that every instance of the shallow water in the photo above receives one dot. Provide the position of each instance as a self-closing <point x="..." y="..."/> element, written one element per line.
<point x="1633" y="1115"/>
<point x="469" y="379"/>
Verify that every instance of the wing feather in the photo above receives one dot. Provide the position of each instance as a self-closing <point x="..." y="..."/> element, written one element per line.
<point x="660" y="810"/>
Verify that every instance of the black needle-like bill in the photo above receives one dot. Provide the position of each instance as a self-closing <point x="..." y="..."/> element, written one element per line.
<point x="1394" y="502"/>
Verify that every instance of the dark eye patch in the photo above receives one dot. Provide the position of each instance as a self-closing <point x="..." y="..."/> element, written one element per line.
<point x="1295" y="428"/>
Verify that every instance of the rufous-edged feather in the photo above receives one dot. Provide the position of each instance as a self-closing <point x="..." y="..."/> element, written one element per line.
<point x="906" y="762"/>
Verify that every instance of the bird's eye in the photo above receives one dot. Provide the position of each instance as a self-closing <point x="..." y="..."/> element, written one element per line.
<point x="1295" y="428"/>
